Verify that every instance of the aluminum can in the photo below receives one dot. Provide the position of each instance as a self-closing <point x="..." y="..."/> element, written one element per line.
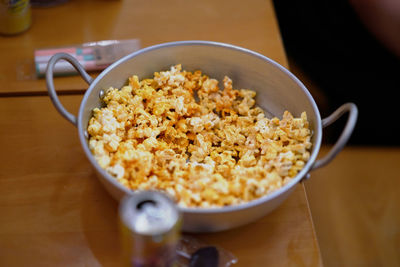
<point x="15" y="16"/>
<point x="150" y="226"/>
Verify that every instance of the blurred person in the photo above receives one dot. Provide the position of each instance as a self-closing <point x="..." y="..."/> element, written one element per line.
<point x="351" y="50"/>
<point x="382" y="18"/>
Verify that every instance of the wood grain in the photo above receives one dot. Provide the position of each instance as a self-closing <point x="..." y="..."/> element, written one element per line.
<point x="355" y="204"/>
<point x="54" y="212"/>
<point x="251" y="24"/>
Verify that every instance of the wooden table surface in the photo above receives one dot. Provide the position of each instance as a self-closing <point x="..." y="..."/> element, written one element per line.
<point x="250" y="24"/>
<point x="54" y="212"/>
<point x="355" y="204"/>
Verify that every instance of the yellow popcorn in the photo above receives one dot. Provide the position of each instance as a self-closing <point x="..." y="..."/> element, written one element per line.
<point x="205" y="146"/>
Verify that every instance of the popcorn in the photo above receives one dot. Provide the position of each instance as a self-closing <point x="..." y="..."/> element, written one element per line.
<point x="179" y="133"/>
<point x="117" y="170"/>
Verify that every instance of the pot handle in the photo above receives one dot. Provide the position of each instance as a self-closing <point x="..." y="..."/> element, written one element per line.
<point x="50" y="82"/>
<point x="344" y="137"/>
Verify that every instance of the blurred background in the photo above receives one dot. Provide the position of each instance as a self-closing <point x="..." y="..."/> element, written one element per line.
<point x="348" y="51"/>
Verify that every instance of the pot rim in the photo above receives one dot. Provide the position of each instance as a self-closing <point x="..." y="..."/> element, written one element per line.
<point x="225" y="209"/>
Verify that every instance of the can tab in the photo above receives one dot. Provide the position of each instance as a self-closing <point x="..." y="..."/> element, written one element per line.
<point x="145" y="203"/>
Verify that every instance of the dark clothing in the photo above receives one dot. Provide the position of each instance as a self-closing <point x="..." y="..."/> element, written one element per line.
<point x="330" y="44"/>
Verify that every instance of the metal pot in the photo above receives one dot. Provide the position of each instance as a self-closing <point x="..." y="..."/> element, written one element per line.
<point x="277" y="90"/>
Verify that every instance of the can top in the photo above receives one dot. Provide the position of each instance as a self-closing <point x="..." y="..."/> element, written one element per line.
<point x="149" y="213"/>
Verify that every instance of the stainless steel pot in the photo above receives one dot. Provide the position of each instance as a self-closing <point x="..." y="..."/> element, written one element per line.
<point x="277" y="90"/>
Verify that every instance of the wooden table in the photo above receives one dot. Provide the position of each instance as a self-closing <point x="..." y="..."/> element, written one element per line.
<point x="249" y="24"/>
<point x="355" y="204"/>
<point x="54" y="212"/>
